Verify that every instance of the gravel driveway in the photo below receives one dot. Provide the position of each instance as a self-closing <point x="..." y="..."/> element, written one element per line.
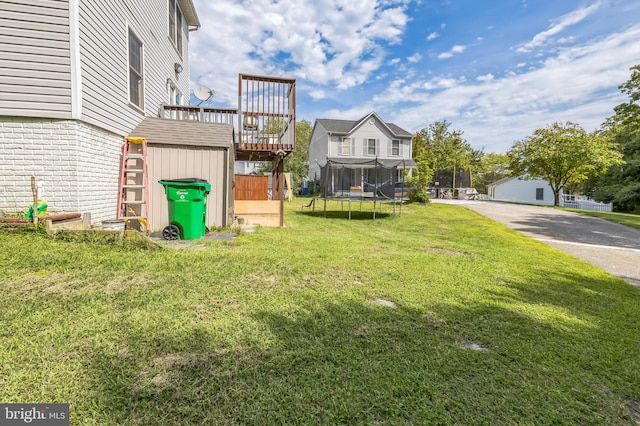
<point x="612" y="247"/>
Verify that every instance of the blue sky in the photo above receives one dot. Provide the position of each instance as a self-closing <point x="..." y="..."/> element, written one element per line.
<point x="496" y="70"/>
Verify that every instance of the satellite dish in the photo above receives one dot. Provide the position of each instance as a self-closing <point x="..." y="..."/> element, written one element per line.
<point x="203" y="93"/>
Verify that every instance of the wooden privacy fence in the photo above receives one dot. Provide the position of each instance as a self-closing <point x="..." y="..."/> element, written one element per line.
<point x="252" y="202"/>
<point x="250" y="187"/>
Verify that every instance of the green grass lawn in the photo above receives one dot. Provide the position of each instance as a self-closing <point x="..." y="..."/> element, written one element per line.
<point x="628" y="219"/>
<point x="289" y="326"/>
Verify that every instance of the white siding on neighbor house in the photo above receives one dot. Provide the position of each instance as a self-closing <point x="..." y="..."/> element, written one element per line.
<point x="247" y="167"/>
<point x="35" y="62"/>
<point x="318" y="150"/>
<point x="104" y="32"/>
<point x="366" y="131"/>
<point x="522" y="191"/>
<point x="77" y="164"/>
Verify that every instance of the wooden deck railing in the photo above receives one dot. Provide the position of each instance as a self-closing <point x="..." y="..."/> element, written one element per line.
<point x="249" y="139"/>
<point x="197" y="113"/>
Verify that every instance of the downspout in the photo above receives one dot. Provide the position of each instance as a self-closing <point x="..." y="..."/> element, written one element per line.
<point x="225" y="190"/>
<point x="74" y="58"/>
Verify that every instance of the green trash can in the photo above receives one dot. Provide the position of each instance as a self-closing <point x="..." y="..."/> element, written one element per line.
<point x="187" y="208"/>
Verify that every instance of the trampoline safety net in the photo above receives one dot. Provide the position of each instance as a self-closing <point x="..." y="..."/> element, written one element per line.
<point x="369" y="179"/>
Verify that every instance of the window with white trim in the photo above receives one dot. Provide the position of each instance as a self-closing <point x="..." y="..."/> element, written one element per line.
<point x="136" y="76"/>
<point x="371" y="148"/>
<point x="395" y="148"/>
<point x="346" y="147"/>
<point x="539" y="193"/>
<point x="175" y="25"/>
<point x="175" y="97"/>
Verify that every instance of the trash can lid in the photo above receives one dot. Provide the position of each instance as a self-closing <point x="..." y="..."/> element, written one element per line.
<point x="184" y="180"/>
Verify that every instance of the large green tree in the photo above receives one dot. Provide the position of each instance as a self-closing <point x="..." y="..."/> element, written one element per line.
<point x="563" y="154"/>
<point x="296" y="163"/>
<point x="490" y="167"/>
<point x="621" y="183"/>
<point x="442" y="148"/>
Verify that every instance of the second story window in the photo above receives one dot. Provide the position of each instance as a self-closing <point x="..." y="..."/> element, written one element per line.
<point x="395" y="148"/>
<point x="136" y="77"/>
<point x="371" y="148"/>
<point x="175" y="25"/>
<point x="175" y="97"/>
<point x="347" y="146"/>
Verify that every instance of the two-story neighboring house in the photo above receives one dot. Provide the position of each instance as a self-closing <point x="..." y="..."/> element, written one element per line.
<point x="76" y="76"/>
<point x="364" y="140"/>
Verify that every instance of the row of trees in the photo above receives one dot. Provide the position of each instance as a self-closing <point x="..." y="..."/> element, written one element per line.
<point x="296" y="163"/>
<point x="620" y="184"/>
<point x="604" y="164"/>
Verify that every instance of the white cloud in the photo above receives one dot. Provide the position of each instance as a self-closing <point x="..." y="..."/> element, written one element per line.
<point x="414" y="58"/>
<point x="562" y="23"/>
<point x="317" y="94"/>
<point x="454" y="50"/>
<point x="579" y="84"/>
<point x="485" y="78"/>
<point x="342" y="45"/>
<point x="433" y="36"/>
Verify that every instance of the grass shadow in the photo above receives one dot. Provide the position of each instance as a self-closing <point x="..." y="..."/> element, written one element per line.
<point x="356" y="362"/>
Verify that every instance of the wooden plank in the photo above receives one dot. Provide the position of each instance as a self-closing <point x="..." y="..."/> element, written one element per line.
<point x="258" y="206"/>
<point x="265" y="213"/>
<point x="248" y="187"/>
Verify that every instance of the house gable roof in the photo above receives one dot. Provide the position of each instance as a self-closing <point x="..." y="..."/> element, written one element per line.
<point x="509" y="178"/>
<point x="344" y="127"/>
<point x="500" y="181"/>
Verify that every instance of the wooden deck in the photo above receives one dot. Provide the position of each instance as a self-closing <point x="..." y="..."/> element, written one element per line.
<point x="264" y="124"/>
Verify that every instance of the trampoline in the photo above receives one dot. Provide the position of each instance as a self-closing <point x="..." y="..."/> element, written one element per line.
<point x="360" y="181"/>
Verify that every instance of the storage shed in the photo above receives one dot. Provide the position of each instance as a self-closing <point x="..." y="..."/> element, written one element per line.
<point x="521" y="190"/>
<point x="189" y="149"/>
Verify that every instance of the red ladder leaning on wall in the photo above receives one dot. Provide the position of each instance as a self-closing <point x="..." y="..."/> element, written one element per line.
<point x="133" y="203"/>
